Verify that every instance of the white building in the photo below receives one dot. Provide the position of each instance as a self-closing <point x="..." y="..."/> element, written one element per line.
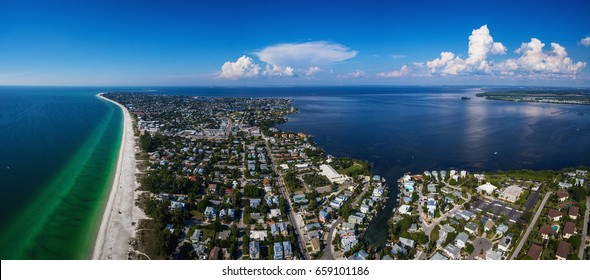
<point x="487" y="187"/>
<point x="332" y="174"/>
<point x="511" y="193"/>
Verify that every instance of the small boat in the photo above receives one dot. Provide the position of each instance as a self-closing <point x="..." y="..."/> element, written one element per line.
<point x="465" y="98"/>
<point x="495" y="153"/>
<point x="8" y="167"/>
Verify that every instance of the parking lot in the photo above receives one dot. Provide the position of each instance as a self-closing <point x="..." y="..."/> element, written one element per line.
<point x="497" y="208"/>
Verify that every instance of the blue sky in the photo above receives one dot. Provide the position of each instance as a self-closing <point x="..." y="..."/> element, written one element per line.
<point x="294" y="42"/>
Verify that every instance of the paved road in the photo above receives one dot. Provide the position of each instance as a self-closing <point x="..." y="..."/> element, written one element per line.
<point x="428" y="229"/>
<point x="585" y="231"/>
<point x="532" y="200"/>
<point x="285" y="193"/>
<point x="531" y="226"/>
<point x="328" y="250"/>
<point x="479" y="244"/>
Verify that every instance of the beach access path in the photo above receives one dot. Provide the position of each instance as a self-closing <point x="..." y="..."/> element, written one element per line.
<point x="120" y="216"/>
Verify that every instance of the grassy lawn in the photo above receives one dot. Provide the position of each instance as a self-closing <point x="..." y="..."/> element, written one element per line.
<point x="356" y="168"/>
<point x="197" y="215"/>
<point x="523" y="198"/>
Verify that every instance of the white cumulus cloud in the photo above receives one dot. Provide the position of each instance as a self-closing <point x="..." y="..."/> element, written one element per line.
<point x="481" y="44"/>
<point x="403" y="71"/>
<point x="585" y="42"/>
<point x="533" y="62"/>
<point x="244" y="67"/>
<point x="304" y="55"/>
<point x="356" y="74"/>
<point x="274" y="70"/>
<point x="287" y="60"/>
<point x="312" y="70"/>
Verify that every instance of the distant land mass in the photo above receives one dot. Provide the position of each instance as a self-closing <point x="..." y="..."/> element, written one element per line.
<point x="560" y="96"/>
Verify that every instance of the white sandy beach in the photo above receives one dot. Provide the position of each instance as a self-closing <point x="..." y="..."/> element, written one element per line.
<point x="116" y="228"/>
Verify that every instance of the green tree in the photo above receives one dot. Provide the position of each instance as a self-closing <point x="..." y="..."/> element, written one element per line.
<point x="434" y="234"/>
<point x="345" y="210"/>
<point x="253" y="191"/>
<point x="202" y="205"/>
<point x="469" y="248"/>
<point x="575" y="241"/>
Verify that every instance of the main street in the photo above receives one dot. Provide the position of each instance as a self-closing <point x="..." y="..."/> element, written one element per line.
<point x="531" y="226"/>
<point x="285" y="193"/>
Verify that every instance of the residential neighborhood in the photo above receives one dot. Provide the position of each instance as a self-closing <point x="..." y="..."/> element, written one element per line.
<point x="221" y="181"/>
<point x="493" y="216"/>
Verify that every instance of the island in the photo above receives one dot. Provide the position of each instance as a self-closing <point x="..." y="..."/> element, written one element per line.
<point x="218" y="180"/>
<point x="559" y="96"/>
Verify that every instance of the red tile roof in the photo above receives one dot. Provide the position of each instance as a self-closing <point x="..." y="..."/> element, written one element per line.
<point x="547" y="229"/>
<point x="553" y="213"/>
<point x="563" y="250"/>
<point x="562" y="194"/>
<point x="535" y="251"/>
<point x="569" y="227"/>
<point x="574" y="210"/>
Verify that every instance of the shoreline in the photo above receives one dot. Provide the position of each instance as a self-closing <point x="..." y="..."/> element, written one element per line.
<point x="120" y="217"/>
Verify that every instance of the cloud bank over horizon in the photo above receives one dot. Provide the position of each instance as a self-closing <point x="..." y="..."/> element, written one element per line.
<point x="531" y="61"/>
<point x="534" y="62"/>
<point x="288" y="60"/>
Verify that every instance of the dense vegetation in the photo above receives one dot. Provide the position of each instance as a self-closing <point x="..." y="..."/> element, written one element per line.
<point x="351" y="167"/>
<point x="316" y="180"/>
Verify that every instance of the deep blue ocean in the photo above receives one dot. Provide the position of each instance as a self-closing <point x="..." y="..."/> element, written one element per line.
<point x="397" y="129"/>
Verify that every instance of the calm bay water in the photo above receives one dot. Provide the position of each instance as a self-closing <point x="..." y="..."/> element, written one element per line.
<point x="61" y="146"/>
<point x="407" y="130"/>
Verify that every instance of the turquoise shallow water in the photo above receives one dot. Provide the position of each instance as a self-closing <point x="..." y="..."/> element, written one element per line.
<point x="58" y="151"/>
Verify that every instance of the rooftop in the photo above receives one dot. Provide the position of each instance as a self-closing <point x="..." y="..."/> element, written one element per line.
<point x="535" y="251"/>
<point x="563" y="249"/>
